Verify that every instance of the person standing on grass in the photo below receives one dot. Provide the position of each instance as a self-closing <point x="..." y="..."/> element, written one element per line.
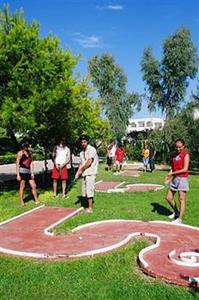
<point x="88" y="170"/>
<point x="179" y="180"/>
<point x="145" y="154"/>
<point x="152" y="153"/>
<point x="25" y="172"/>
<point x="61" y="159"/>
<point x="110" y="155"/>
<point x="119" y="158"/>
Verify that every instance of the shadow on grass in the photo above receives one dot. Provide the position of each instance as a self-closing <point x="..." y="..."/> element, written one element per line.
<point x="29" y="198"/>
<point x="160" y="209"/>
<point x="82" y="200"/>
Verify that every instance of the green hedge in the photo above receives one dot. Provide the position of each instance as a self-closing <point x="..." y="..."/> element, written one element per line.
<point x="7" y="159"/>
<point x="11" y="158"/>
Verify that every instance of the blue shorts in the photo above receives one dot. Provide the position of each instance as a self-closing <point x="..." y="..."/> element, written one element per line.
<point x="146" y="161"/>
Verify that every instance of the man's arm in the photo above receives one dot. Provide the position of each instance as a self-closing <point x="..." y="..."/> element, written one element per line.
<point x="83" y="167"/>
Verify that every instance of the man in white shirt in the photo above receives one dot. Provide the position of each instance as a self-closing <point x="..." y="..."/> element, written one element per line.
<point x="61" y="159"/>
<point x="88" y="170"/>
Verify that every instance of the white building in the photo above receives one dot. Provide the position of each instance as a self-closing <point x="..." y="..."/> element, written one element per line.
<point x="144" y="124"/>
<point x="196" y="114"/>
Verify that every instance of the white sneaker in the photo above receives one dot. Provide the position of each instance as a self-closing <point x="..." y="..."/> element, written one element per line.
<point x="173" y="215"/>
<point x="177" y="221"/>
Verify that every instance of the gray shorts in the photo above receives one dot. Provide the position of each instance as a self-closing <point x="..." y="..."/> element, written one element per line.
<point x="179" y="184"/>
<point x="88" y="186"/>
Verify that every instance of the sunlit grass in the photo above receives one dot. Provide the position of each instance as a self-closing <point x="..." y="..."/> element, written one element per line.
<point x="112" y="276"/>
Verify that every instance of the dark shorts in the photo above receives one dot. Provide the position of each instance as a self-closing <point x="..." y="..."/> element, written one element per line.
<point x="110" y="161"/>
<point x="25" y="176"/>
<point x="62" y="174"/>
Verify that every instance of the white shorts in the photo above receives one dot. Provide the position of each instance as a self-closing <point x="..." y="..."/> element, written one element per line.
<point x="118" y="163"/>
<point x="88" y="186"/>
<point x="179" y="184"/>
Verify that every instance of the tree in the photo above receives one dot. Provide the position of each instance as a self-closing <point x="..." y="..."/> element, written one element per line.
<point x="167" y="80"/>
<point x="40" y="97"/>
<point x="110" y="81"/>
<point x="190" y="119"/>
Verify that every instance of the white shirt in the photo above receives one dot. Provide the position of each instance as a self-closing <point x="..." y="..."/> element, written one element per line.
<point x="62" y="155"/>
<point x="112" y="151"/>
<point x="90" y="152"/>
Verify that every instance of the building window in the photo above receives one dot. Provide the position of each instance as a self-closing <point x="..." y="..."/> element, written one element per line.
<point x="149" y="124"/>
<point x="158" y="125"/>
<point x="133" y="124"/>
<point x="141" y="124"/>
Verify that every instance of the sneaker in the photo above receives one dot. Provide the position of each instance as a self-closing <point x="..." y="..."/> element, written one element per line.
<point x="174" y="215"/>
<point x="64" y="196"/>
<point x="177" y="221"/>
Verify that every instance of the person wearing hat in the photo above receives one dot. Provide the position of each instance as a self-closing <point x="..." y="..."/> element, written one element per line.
<point x="25" y="172"/>
<point x="88" y="170"/>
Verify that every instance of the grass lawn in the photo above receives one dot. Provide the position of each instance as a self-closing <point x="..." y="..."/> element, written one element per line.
<point x="112" y="276"/>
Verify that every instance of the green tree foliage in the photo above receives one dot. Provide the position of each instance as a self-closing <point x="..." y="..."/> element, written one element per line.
<point x="186" y="126"/>
<point x="190" y="119"/>
<point x="39" y="95"/>
<point x="164" y="140"/>
<point x="110" y="81"/>
<point x="167" y="80"/>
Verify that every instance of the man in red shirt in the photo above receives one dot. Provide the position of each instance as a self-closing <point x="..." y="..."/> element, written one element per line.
<point x="119" y="158"/>
<point x="179" y="183"/>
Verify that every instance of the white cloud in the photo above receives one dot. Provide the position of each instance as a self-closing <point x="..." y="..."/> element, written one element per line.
<point x="115" y="7"/>
<point x="88" y="41"/>
<point x="111" y="7"/>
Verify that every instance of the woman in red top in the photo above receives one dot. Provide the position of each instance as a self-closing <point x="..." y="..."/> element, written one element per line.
<point x="179" y="183"/>
<point x="25" y="172"/>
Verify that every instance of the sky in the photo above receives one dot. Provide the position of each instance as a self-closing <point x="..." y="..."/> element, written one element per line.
<point x="123" y="28"/>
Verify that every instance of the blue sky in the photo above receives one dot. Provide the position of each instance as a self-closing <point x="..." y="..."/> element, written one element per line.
<point x="122" y="28"/>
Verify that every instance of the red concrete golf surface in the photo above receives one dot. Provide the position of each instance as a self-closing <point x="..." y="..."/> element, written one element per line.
<point x="105" y="186"/>
<point x="26" y="236"/>
<point x="130" y="173"/>
<point x="143" y="187"/>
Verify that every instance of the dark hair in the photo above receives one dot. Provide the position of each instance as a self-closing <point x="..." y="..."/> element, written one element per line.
<point x="62" y="141"/>
<point x="180" y="141"/>
<point x="24" y="144"/>
<point x="84" y="137"/>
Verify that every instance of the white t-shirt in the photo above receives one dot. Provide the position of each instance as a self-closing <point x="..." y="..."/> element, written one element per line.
<point x="112" y="151"/>
<point x="62" y="155"/>
<point x="90" y="152"/>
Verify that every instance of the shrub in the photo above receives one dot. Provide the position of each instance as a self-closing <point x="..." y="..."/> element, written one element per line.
<point x="7" y="159"/>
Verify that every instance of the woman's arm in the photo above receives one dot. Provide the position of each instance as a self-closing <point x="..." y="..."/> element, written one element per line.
<point x="32" y="170"/>
<point x="19" y="155"/>
<point x="184" y="169"/>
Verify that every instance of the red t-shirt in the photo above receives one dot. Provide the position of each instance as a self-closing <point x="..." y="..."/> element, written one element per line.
<point x="119" y="154"/>
<point x="177" y="162"/>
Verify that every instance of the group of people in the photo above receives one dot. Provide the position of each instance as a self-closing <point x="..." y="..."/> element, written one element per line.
<point x="177" y="178"/>
<point x="61" y="157"/>
<point x="148" y="154"/>
<point x="115" y="157"/>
